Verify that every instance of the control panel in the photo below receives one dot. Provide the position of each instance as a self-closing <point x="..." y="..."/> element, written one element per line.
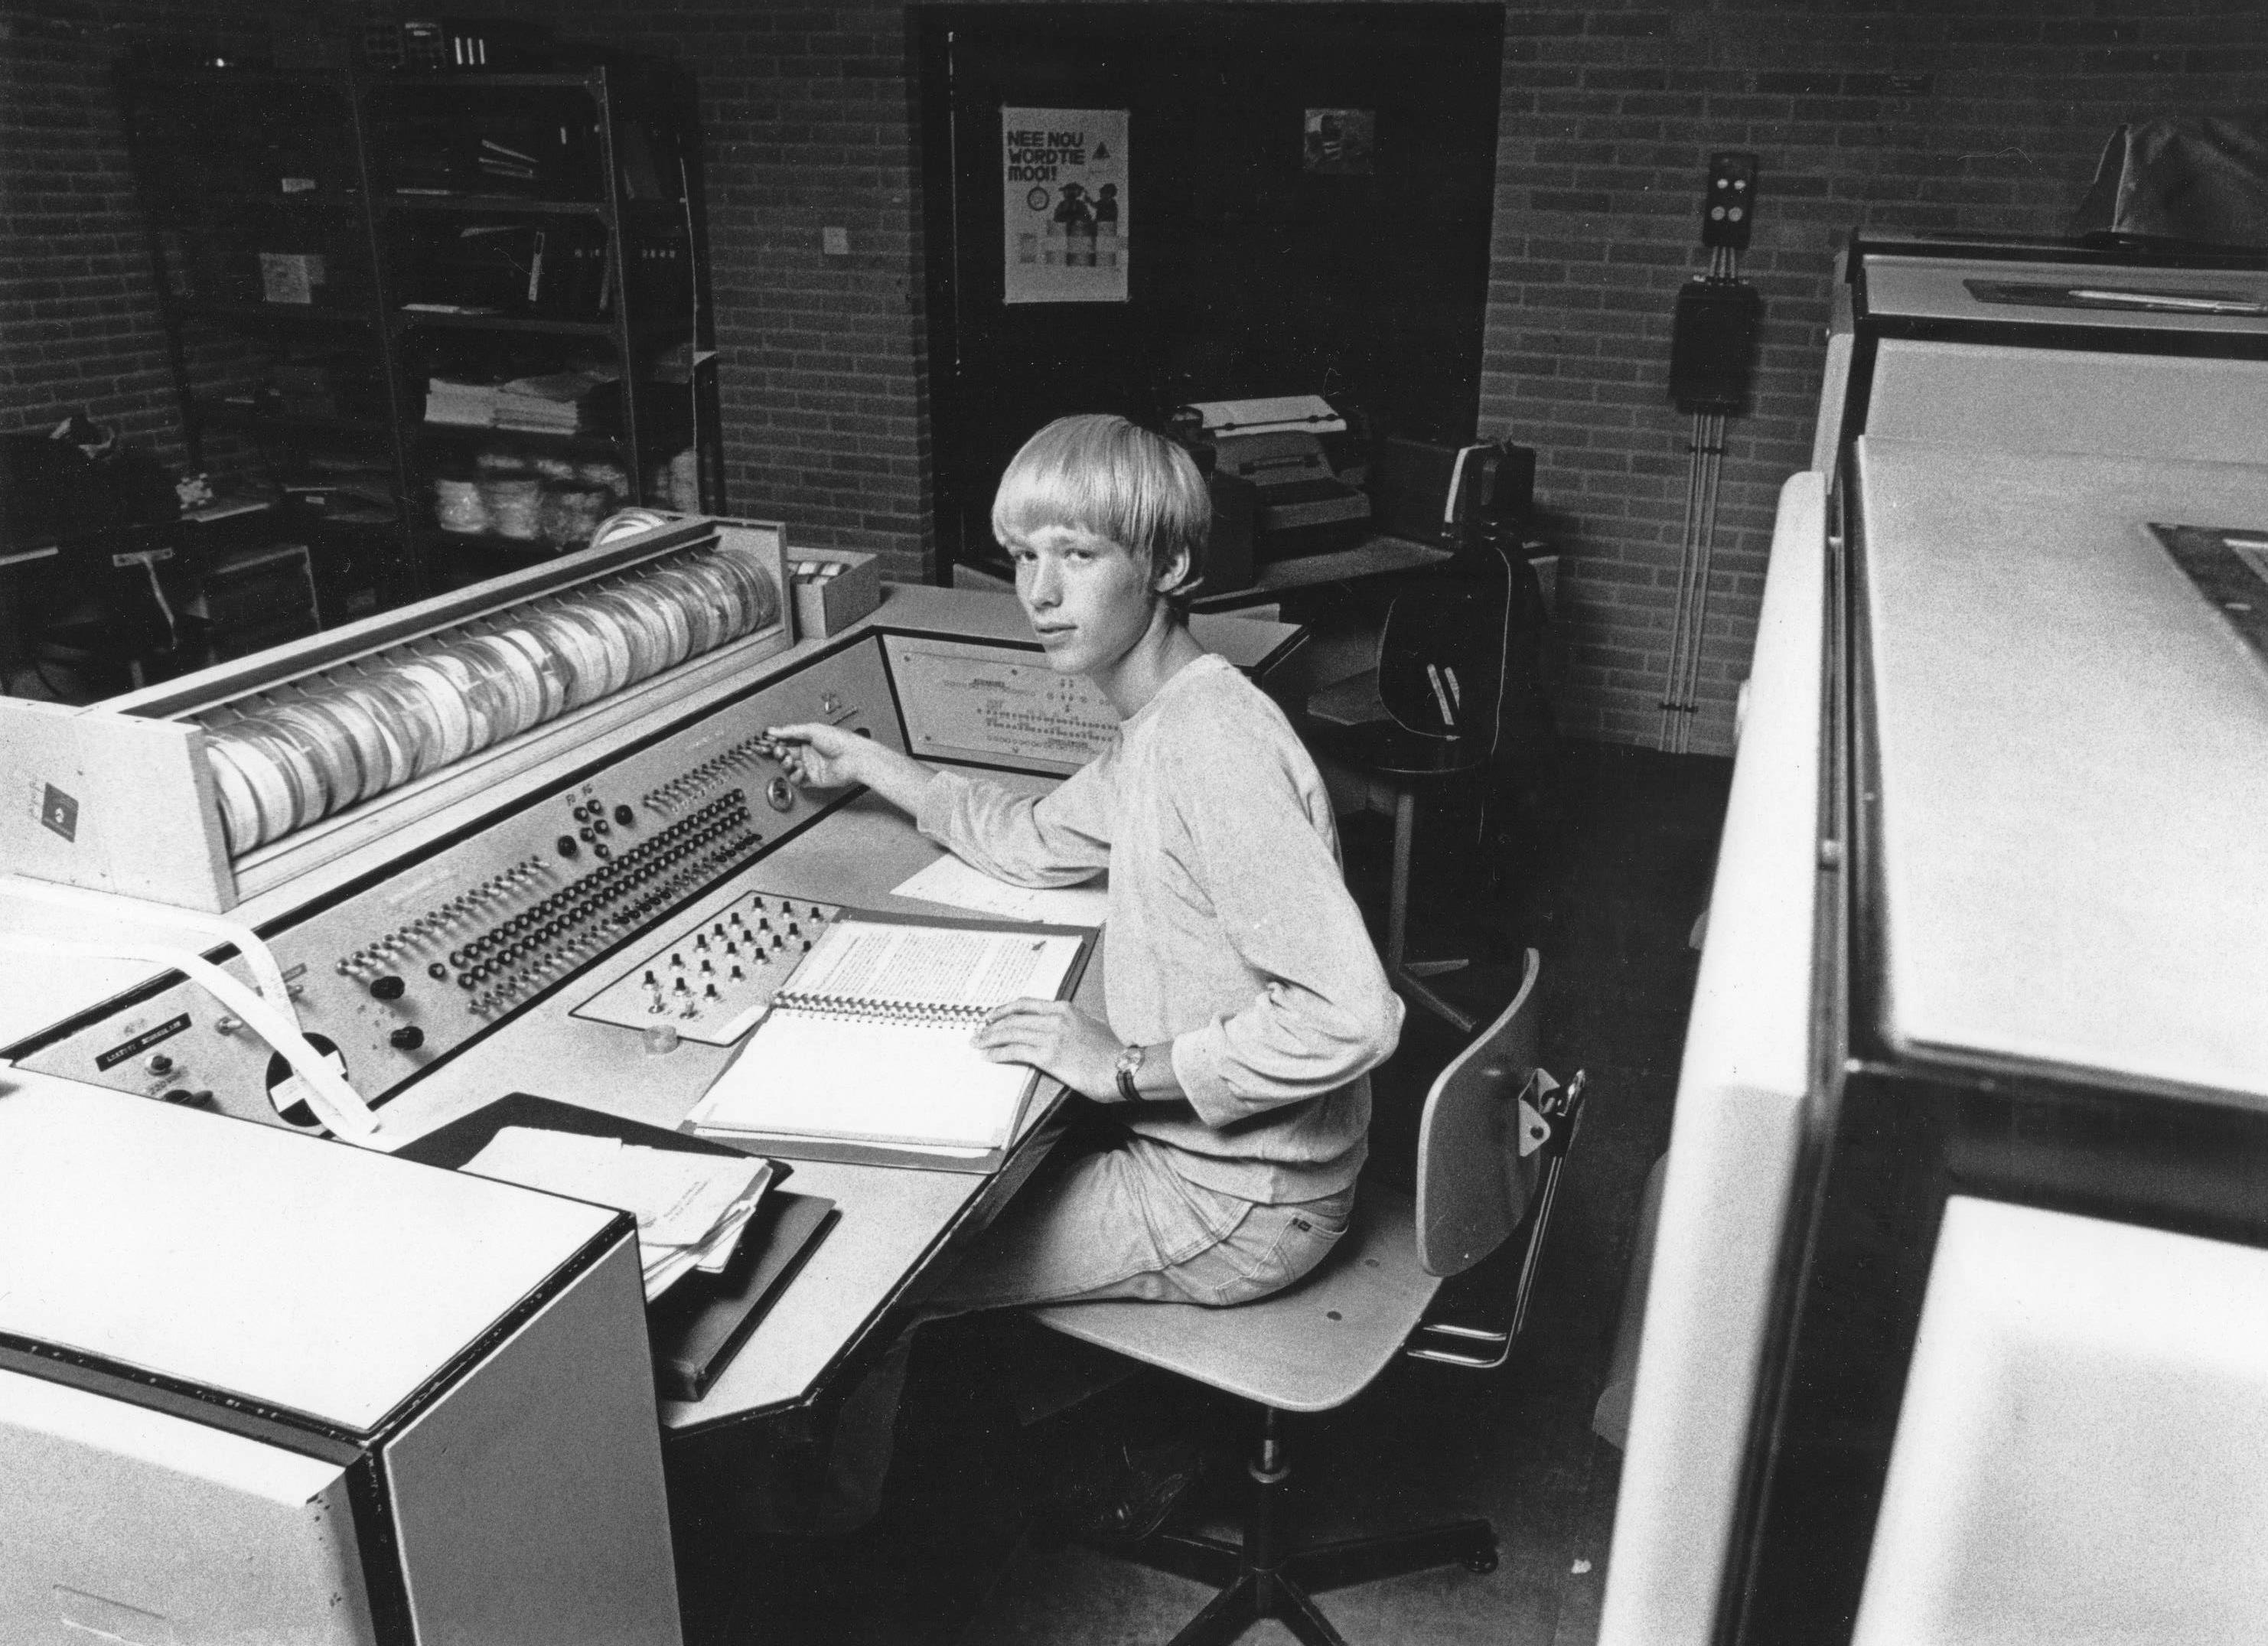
<point x="713" y="979"/>
<point x="393" y="978"/>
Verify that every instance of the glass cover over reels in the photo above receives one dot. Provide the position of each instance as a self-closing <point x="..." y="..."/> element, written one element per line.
<point x="299" y="751"/>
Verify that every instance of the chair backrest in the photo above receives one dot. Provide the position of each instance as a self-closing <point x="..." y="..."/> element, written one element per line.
<point x="1478" y="1166"/>
<point x="1442" y="655"/>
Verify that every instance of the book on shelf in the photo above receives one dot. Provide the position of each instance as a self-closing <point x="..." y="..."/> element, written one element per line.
<point x="868" y="1052"/>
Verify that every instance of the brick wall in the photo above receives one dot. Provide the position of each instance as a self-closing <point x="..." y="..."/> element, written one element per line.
<point x="1932" y="116"/>
<point x="78" y="311"/>
<point x="78" y="325"/>
<point x="808" y="113"/>
<point x="1936" y="116"/>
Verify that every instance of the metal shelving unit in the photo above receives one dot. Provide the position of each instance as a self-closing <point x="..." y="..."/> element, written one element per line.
<point x="380" y="194"/>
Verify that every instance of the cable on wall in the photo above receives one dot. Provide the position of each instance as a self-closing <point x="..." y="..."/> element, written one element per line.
<point x="1711" y="364"/>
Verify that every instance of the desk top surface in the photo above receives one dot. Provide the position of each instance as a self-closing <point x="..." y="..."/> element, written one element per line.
<point x="892" y="1224"/>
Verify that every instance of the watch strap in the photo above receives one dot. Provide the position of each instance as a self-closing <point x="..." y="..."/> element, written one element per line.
<point x="1130" y="1065"/>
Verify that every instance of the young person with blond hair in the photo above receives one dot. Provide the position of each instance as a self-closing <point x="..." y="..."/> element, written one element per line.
<point x="1246" y="1005"/>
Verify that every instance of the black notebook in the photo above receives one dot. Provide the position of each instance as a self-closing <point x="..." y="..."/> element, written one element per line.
<point x="695" y="1326"/>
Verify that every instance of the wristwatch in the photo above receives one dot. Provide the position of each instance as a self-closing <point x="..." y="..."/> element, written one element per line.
<point x="1130" y="1065"/>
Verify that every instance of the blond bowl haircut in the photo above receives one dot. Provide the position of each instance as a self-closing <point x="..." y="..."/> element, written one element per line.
<point x="1100" y="474"/>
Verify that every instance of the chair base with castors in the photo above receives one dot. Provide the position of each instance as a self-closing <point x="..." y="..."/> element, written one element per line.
<point x="1258" y="1578"/>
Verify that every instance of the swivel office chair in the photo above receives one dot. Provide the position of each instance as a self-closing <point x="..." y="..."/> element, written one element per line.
<point x="1459" y="693"/>
<point x="1491" y="1145"/>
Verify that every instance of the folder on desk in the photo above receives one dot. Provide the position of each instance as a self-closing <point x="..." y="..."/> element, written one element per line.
<point x="695" y="1327"/>
<point x="868" y="1054"/>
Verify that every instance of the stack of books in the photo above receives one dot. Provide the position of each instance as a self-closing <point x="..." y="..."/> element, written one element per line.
<point x="691" y="1209"/>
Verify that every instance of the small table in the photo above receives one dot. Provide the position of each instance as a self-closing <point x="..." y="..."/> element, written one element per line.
<point x="1378" y="554"/>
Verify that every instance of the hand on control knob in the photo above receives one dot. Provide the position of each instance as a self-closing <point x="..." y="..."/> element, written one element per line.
<point x="818" y="756"/>
<point x="821" y="757"/>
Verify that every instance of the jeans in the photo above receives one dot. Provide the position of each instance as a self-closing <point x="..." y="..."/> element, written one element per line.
<point x="1097" y="1222"/>
<point x="1120" y="1222"/>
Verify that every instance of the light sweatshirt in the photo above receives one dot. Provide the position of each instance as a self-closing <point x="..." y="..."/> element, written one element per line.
<point x="1231" y="931"/>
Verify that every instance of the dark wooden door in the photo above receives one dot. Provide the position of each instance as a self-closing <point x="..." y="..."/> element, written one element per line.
<point x="1250" y="272"/>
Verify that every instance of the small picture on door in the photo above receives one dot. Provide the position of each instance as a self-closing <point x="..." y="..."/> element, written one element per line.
<point x="1341" y="140"/>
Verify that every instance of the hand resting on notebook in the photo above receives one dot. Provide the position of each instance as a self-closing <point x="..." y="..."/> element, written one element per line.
<point x="1057" y="1038"/>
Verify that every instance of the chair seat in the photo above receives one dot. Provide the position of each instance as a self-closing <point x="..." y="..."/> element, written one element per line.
<point x="1308" y="1348"/>
<point x="1383" y="748"/>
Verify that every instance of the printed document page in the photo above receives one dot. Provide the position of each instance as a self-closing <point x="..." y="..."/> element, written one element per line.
<point x="954" y="883"/>
<point x="960" y="968"/>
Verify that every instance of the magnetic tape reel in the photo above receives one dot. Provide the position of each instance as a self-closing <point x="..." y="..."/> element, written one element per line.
<point x="287" y="757"/>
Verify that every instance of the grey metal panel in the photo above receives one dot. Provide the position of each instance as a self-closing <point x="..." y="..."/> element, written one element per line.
<point x="299" y="1274"/>
<point x="127" y="1525"/>
<point x="1936" y="288"/>
<point x="2078" y="1455"/>
<point x="2073" y="751"/>
<point x="1741" y="1097"/>
<point x="1991" y="396"/>
<point x="529" y="1498"/>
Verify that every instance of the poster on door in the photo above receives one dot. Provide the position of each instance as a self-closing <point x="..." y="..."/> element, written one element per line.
<point x="1063" y="194"/>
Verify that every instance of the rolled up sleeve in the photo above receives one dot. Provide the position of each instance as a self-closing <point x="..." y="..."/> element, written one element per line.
<point x="1324" y="1014"/>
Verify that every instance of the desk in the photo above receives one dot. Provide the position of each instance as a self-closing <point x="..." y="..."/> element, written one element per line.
<point x="1375" y="556"/>
<point x="895" y="1226"/>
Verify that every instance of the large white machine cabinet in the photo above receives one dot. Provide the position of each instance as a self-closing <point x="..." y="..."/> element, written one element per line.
<point x="1954" y="1331"/>
<point x="255" y="1386"/>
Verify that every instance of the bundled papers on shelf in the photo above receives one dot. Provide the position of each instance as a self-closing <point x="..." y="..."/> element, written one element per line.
<point x="691" y="1209"/>
<point x="469" y="405"/>
<point x="557" y="402"/>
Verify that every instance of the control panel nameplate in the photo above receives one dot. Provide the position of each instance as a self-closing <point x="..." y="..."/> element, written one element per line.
<point x="997" y="704"/>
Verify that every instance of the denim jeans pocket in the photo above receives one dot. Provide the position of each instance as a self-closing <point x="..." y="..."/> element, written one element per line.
<point x="1271" y="1247"/>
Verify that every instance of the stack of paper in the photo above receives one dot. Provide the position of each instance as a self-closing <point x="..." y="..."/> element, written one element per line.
<point x="691" y="1209"/>
<point x="560" y="403"/>
<point x="950" y="880"/>
<point x="470" y="404"/>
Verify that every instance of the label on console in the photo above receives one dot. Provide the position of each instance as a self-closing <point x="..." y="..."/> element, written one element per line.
<point x="968" y="700"/>
<point x="141" y="1043"/>
<point x="59" y="812"/>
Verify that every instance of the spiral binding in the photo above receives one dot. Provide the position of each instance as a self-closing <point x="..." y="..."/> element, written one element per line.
<point x="919" y="1014"/>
